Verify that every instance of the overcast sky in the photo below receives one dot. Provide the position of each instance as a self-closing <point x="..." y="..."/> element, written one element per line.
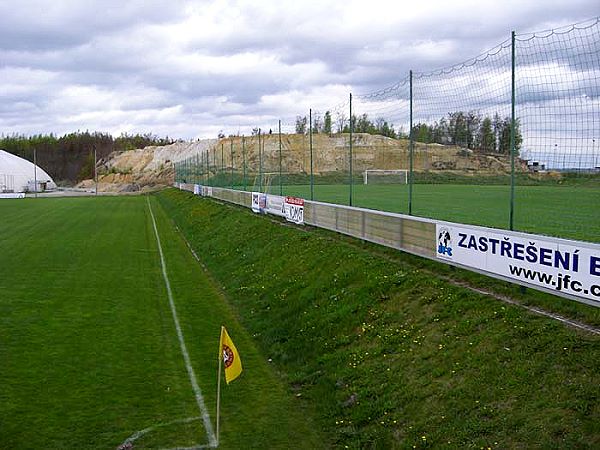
<point x="190" y="69"/>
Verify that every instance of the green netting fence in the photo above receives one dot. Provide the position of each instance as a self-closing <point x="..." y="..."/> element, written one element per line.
<point x="508" y="139"/>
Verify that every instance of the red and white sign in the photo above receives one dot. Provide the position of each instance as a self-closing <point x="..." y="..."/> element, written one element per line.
<point x="294" y="209"/>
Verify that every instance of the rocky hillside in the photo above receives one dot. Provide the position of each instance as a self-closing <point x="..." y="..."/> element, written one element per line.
<point x="153" y="166"/>
<point x="145" y="168"/>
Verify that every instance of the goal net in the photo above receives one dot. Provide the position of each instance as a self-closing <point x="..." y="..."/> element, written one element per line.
<point x="386" y="176"/>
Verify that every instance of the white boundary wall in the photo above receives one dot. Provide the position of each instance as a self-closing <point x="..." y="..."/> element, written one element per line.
<point x="567" y="268"/>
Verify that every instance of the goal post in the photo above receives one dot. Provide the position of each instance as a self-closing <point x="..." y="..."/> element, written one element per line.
<point x="385" y="176"/>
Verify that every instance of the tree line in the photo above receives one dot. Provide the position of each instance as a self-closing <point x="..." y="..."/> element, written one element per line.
<point x="24" y="145"/>
<point x="470" y="130"/>
<point x="71" y="157"/>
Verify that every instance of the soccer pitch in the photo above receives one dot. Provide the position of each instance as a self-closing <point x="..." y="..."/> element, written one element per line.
<point x="90" y="354"/>
<point x="563" y="211"/>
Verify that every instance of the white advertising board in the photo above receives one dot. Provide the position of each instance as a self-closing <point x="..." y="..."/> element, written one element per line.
<point x="197" y="189"/>
<point x="276" y="205"/>
<point x="554" y="264"/>
<point x="294" y="209"/>
<point x="259" y="202"/>
<point x="13" y="195"/>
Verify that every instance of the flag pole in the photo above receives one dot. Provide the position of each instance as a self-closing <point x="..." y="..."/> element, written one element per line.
<point x="219" y="383"/>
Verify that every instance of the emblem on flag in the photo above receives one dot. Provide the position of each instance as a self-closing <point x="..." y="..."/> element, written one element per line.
<point x="230" y="356"/>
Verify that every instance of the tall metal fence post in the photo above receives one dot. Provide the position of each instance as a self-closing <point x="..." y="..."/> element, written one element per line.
<point x="244" y="161"/>
<point x="222" y="183"/>
<point x="350" y="146"/>
<point x="35" y="171"/>
<point x="259" y="162"/>
<point x="310" y="145"/>
<point x="513" y="150"/>
<point x="95" y="170"/>
<point x="231" y="162"/>
<point x="280" y="172"/>
<point x="410" y="146"/>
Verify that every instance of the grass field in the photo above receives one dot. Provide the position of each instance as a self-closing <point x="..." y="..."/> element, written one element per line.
<point x="571" y="212"/>
<point x="89" y="354"/>
<point x="342" y="346"/>
<point x="390" y="355"/>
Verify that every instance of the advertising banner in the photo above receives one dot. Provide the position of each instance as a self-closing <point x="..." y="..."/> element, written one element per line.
<point x="259" y="202"/>
<point x="554" y="264"/>
<point x="294" y="209"/>
<point x="13" y="195"/>
<point x="276" y="205"/>
<point x="197" y="189"/>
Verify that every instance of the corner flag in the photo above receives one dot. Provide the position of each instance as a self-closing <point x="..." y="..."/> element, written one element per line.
<point x="231" y="357"/>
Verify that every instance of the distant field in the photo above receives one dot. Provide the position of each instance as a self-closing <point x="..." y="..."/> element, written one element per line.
<point x="89" y="354"/>
<point x="564" y="211"/>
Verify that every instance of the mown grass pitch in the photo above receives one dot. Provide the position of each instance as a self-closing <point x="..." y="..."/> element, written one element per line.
<point x="88" y="351"/>
<point x="564" y="211"/>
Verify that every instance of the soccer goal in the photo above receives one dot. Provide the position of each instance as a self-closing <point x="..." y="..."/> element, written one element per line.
<point x="267" y="180"/>
<point x="386" y="176"/>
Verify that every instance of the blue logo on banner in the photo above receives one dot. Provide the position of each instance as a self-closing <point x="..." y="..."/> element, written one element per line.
<point x="444" y="242"/>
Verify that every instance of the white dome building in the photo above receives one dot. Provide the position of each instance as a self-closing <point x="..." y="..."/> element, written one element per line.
<point x="19" y="175"/>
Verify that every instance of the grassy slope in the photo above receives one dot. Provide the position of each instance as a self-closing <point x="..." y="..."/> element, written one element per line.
<point x="88" y="348"/>
<point x="390" y="355"/>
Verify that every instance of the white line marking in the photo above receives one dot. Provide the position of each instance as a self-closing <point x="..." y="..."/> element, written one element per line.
<point x="128" y="443"/>
<point x="198" y="393"/>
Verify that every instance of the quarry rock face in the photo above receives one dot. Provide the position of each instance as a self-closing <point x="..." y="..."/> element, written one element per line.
<point x="154" y="166"/>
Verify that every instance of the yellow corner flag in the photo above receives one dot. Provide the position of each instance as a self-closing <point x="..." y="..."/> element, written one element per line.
<point x="231" y="357"/>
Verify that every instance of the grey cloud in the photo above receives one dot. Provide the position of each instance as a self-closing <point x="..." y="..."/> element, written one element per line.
<point x="132" y="51"/>
<point x="40" y="25"/>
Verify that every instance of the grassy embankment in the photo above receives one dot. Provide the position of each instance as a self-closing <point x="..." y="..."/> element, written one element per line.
<point x="389" y="354"/>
